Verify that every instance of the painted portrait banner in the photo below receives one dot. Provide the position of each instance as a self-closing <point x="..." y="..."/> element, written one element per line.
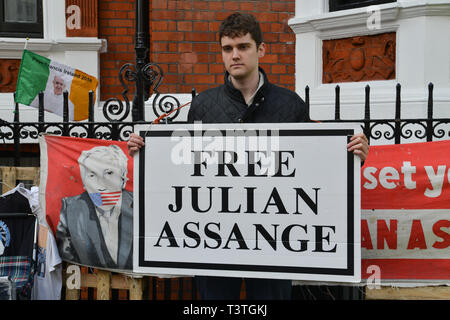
<point x="86" y="194"/>
<point x="405" y="218"/>
<point x="254" y="200"/>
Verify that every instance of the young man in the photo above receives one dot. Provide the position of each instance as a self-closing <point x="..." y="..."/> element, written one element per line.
<point x="247" y="96"/>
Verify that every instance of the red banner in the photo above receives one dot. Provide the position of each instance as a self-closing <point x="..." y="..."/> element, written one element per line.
<point x="405" y="218"/>
<point x="405" y="191"/>
<point x="86" y="193"/>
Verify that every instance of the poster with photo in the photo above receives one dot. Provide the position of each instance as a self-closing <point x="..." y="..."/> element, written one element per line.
<point x="86" y="194"/>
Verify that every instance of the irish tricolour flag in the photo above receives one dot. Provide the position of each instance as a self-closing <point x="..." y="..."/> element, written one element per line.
<point x="38" y="73"/>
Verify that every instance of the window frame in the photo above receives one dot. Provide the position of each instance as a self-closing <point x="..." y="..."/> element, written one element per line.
<point x="337" y="5"/>
<point x="20" y="29"/>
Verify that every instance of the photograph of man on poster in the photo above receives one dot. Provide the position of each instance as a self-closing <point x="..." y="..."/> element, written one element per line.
<point x="53" y="95"/>
<point x="95" y="227"/>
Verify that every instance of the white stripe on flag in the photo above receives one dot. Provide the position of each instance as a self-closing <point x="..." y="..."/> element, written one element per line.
<point x="110" y="198"/>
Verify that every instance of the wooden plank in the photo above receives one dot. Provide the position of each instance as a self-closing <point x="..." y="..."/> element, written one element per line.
<point x="133" y="286"/>
<point x="71" y="283"/>
<point x="119" y="281"/>
<point x="89" y="280"/>
<point x="136" y="288"/>
<point x="103" y="285"/>
<point x="28" y="173"/>
<point x="8" y="178"/>
<point x="72" y="294"/>
<point x="419" y="293"/>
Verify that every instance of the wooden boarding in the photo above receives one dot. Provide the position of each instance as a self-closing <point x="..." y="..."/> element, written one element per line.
<point x="10" y="176"/>
<point x="102" y="283"/>
<point x="418" y="293"/>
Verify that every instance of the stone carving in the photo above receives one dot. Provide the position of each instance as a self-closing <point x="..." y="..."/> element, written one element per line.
<point x="9" y="70"/>
<point x="361" y="58"/>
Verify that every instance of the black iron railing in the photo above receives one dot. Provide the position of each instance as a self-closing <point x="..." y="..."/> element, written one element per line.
<point x="397" y="128"/>
<point x="117" y="127"/>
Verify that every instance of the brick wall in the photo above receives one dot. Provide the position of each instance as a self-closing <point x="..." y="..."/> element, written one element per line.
<point x="116" y="25"/>
<point x="184" y="41"/>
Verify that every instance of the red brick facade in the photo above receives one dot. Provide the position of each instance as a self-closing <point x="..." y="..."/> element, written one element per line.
<point x="184" y="41"/>
<point x="89" y="18"/>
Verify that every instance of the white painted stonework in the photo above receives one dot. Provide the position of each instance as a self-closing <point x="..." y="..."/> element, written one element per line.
<point x="423" y="49"/>
<point x="82" y="53"/>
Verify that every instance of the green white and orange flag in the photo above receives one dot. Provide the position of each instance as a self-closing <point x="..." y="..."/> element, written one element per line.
<point x="38" y="73"/>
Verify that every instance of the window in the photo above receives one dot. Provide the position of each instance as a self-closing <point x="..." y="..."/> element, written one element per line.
<point x="336" y="5"/>
<point x="21" y="18"/>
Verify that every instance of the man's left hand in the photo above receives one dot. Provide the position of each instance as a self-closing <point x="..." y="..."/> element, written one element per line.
<point x="359" y="145"/>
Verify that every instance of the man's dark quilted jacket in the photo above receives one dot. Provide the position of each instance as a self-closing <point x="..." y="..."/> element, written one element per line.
<point x="225" y="104"/>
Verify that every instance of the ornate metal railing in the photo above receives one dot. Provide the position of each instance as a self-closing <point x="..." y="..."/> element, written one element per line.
<point x="116" y="111"/>
<point x="397" y="128"/>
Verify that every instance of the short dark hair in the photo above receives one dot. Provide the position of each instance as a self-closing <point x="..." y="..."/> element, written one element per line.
<point x="239" y="24"/>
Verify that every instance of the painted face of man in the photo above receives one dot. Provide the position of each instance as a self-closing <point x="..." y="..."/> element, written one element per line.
<point x="103" y="181"/>
<point x="58" y="85"/>
<point x="241" y="55"/>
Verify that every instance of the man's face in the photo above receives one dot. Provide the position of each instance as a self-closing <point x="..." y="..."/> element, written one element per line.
<point x="58" y="85"/>
<point x="101" y="179"/>
<point x="241" y="55"/>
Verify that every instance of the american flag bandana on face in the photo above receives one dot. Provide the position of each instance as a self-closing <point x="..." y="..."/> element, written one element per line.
<point x="105" y="198"/>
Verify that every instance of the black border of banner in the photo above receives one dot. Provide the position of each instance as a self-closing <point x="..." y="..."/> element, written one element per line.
<point x="348" y="271"/>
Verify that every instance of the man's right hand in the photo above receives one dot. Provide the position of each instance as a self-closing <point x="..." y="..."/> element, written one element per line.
<point x="134" y="143"/>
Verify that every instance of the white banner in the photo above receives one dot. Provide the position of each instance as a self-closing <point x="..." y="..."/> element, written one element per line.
<point x="256" y="200"/>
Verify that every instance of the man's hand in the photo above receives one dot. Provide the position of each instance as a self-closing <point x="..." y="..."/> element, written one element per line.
<point x="134" y="143"/>
<point x="359" y="145"/>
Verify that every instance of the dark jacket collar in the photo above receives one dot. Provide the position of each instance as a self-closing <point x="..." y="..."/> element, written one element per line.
<point x="236" y="94"/>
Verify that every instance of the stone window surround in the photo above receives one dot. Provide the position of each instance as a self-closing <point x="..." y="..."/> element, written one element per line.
<point x="79" y="52"/>
<point x="353" y="22"/>
<point x="313" y="24"/>
<point x="54" y="36"/>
